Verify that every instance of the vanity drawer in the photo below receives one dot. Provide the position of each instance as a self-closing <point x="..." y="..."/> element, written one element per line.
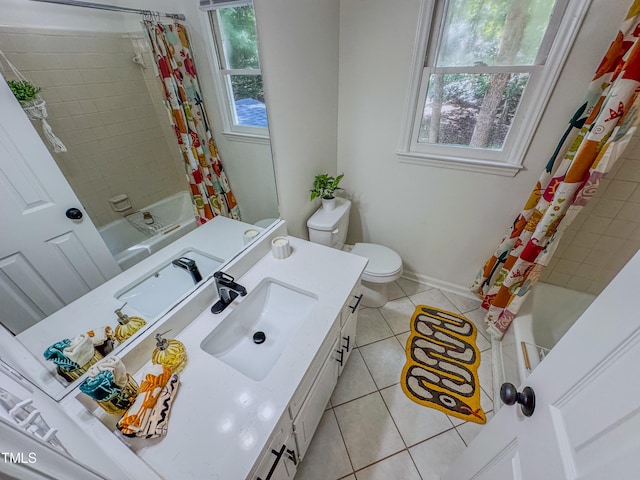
<point x="314" y="369"/>
<point x="353" y="302"/>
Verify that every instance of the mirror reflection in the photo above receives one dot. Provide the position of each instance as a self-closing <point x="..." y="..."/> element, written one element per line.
<point x="142" y="162"/>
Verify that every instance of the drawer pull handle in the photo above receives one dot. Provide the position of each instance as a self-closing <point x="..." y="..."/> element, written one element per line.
<point x="275" y="462"/>
<point x="353" y="307"/>
<point x="292" y="456"/>
<point x="339" y="360"/>
<point x="348" y="340"/>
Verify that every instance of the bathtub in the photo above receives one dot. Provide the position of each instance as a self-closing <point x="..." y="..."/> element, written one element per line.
<point x="129" y="244"/>
<point x="545" y="316"/>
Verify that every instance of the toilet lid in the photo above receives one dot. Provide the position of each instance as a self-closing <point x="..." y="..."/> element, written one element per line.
<point x="382" y="260"/>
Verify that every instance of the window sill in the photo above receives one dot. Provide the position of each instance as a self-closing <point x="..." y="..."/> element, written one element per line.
<point x="455" y="163"/>
<point x="247" y="138"/>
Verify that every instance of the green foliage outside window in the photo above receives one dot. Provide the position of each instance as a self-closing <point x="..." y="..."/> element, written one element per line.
<point x="472" y="108"/>
<point x="241" y="50"/>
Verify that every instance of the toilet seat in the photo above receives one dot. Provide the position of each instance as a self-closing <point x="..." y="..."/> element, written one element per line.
<point x="384" y="265"/>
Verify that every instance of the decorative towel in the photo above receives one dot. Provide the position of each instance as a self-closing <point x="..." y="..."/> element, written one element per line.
<point x="113" y="365"/>
<point x="159" y="418"/>
<point x="56" y="354"/>
<point x="101" y="386"/>
<point x="102" y="338"/>
<point x="80" y="349"/>
<point x="137" y="417"/>
<point x="109" y="384"/>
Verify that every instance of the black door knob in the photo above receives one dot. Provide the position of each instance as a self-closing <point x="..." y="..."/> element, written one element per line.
<point x="527" y="399"/>
<point x="73" y="214"/>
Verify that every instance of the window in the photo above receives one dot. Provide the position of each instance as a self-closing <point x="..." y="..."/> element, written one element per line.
<point x="484" y="70"/>
<point x="234" y="31"/>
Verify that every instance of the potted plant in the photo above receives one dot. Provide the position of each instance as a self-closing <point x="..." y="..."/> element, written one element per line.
<point x="323" y="186"/>
<point x="25" y="91"/>
<point x="35" y="107"/>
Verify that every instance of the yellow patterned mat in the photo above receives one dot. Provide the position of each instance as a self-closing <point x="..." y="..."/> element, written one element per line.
<point x="441" y="370"/>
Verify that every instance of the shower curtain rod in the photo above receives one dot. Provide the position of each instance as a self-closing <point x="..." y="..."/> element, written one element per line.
<point x="113" y="8"/>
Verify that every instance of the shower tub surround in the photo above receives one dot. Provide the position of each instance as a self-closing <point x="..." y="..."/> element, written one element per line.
<point x="106" y="109"/>
<point x="546" y="315"/>
<point x="224" y="424"/>
<point x="129" y="243"/>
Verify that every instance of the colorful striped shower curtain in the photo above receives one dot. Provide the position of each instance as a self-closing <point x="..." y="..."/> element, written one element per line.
<point x="596" y="136"/>
<point x="210" y="188"/>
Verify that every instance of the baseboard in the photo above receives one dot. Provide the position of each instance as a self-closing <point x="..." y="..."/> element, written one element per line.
<point x="462" y="290"/>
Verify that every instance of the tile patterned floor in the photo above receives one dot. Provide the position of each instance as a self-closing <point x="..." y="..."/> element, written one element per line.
<point x="371" y="430"/>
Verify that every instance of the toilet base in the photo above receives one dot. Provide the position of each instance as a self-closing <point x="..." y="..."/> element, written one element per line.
<point x="374" y="294"/>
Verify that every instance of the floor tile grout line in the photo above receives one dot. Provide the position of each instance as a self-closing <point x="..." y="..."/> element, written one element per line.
<point x="382" y="460"/>
<point x="372" y="377"/>
<point x="433" y="436"/>
<point x="460" y="435"/>
<point x="407" y="294"/>
<point x="393" y="419"/>
<point x="415" y="465"/>
<point x="444" y="292"/>
<point x="379" y="389"/>
<point x="375" y="341"/>
<point x="362" y="396"/>
<point x="343" y="441"/>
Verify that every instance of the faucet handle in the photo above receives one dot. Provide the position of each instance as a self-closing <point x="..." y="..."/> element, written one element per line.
<point x="223" y="278"/>
<point x="184" y="262"/>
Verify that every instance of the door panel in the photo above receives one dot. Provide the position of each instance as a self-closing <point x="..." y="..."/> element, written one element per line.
<point x="587" y="417"/>
<point x="23" y="293"/>
<point x="46" y="259"/>
<point x="506" y="465"/>
<point x="586" y="437"/>
<point x="78" y="262"/>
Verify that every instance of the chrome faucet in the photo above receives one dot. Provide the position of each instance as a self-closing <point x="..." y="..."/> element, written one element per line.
<point x="228" y="290"/>
<point x="190" y="266"/>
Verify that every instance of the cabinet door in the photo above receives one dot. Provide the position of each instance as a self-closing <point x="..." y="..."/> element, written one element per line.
<point x="347" y="339"/>
<point x="308" y="418"/>
<point x="279" y="459"/>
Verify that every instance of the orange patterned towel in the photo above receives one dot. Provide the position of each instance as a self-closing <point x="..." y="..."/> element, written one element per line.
<point x="159" y="417"/>
<point x="137" y="417"/>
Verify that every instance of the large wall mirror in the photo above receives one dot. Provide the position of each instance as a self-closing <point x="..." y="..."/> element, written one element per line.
<point x="106" y="105"/>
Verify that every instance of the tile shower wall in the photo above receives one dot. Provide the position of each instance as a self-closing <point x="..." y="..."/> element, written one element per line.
<point x="605" y="234"/>
<point x="106" y="109"/>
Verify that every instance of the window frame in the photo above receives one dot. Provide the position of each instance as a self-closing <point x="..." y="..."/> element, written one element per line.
<point x="231" y="129"/>
<point x="566" y="19"/>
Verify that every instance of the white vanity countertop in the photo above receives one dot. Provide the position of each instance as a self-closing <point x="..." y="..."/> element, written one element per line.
<point x="220" y="237"/>
<point x="221" y="420"/>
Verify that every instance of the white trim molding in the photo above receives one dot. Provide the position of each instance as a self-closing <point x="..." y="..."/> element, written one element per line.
<point x="567" y="18"/>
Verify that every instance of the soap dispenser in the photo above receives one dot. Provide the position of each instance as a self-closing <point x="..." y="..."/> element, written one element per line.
<point x="127" y="325"/>
<point x="170" y="353"/>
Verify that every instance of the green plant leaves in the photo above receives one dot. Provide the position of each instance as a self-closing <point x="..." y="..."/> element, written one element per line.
<point x="23" y="90"/>
<point x="324" y="185"/>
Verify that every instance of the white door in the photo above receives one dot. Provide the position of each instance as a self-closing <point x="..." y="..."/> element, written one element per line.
<point x="586" y="423"/>
<point x="46" y="259"/>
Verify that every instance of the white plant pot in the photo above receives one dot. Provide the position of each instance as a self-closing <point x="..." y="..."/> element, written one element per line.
<point x="329" y="203"/>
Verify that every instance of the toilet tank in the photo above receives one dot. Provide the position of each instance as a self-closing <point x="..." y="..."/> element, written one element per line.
<point x="329" y="227"/>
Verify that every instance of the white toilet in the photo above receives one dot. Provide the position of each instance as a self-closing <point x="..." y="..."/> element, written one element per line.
<point x="329" y="227"/>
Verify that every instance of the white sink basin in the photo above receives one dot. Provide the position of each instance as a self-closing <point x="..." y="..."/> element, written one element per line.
<point x="277" y="310"/>
<point x="166" y="285"/>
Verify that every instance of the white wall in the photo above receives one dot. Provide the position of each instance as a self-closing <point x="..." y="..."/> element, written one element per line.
<point x="444" y="223"/>
<point x="299" y="52"/>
